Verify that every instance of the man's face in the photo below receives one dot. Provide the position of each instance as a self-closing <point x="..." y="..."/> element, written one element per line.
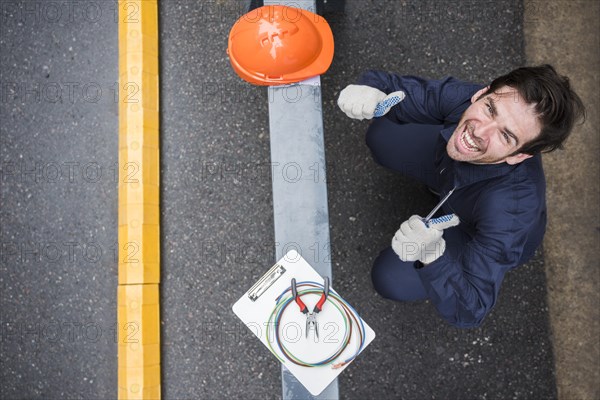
<point x="493" y="128"/>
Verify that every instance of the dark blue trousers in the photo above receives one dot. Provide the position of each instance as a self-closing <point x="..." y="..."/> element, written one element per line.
<point x="410" y="150"/>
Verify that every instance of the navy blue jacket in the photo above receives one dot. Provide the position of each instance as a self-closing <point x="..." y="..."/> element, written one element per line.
<point x="502" y="207"/>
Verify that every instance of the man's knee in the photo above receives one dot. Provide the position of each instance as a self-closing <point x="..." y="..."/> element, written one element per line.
<point x="381" y="275"/>
<point x="374" y="141"/>
<point x="395" y="279"/>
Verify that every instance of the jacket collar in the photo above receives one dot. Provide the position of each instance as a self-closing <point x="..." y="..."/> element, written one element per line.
<point x="466" y="173"/>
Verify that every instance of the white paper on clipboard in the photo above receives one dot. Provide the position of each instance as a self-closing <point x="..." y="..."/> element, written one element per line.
<point x="255" y="314"/>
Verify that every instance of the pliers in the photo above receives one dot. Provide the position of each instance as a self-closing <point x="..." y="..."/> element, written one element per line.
<point x="311" y="318"/>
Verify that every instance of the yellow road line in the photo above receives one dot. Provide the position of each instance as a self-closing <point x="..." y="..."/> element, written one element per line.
<point x="138" y="315"/>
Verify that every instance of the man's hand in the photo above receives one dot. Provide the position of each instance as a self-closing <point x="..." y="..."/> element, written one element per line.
<point x="365" y="102"/>
<point x="417" y="241"/>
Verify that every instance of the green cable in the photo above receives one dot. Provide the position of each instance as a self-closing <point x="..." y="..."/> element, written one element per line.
<point x="276" y="316"/>
<point x="328" y="360"/>
<point x="284" y="303"/>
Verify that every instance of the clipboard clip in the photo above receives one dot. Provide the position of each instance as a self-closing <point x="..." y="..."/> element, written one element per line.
<point x="266" y="281"/>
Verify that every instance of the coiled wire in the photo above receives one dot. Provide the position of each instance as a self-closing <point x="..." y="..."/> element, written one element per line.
<point x="352" y="323"/>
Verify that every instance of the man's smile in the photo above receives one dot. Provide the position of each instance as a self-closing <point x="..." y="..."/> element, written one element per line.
<point x="466" y="140"/>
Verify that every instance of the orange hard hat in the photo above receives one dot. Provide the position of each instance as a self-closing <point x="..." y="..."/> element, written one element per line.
<point x="275" y="45"/>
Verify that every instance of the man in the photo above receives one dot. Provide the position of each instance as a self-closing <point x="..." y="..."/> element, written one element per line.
<point x="484" y="143"/>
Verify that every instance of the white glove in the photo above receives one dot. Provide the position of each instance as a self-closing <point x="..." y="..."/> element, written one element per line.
<point x="417" y="241"/>
<point x="365" y="102"/>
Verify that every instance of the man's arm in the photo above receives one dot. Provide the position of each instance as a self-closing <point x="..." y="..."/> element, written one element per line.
<point x="427" y="101"/>
<point x="465" y="289"/>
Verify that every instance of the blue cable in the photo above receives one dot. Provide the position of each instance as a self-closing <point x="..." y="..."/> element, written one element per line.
<point x="284" y="305"/>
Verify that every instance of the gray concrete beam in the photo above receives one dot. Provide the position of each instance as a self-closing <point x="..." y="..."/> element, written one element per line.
<point x="301" y="216"/>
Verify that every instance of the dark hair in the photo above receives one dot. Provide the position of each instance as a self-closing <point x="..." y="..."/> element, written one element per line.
<point x="557" y="106"/>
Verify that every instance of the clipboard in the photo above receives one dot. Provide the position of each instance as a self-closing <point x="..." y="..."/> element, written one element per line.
<point x="256" y="310"/>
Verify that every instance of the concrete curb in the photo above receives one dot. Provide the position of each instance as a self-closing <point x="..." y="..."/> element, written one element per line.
<point x="564" y="33"/>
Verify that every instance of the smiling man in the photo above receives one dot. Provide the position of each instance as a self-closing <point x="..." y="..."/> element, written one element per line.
<point x="493" y="127"/>
<point x="482" y="144"/>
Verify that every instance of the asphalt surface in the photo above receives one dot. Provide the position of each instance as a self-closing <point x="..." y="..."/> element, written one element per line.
<point x="58" y="211"/>
<point x="58" y="273"/>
